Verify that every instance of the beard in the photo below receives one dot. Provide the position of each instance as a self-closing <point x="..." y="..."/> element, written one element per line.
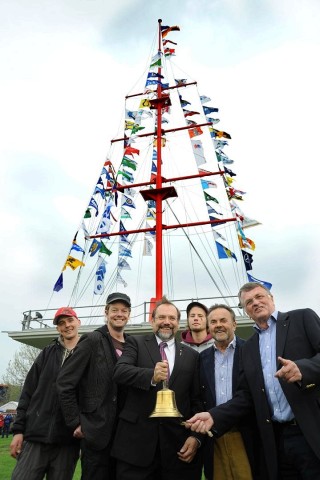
<point x="165" y="336"/>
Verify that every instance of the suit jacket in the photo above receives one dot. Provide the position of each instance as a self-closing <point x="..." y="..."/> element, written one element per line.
<point x="138" y="437"/>
<point x="297" y="339"/>
<point x="88" y="395"/>
<point x="246" y="426"/>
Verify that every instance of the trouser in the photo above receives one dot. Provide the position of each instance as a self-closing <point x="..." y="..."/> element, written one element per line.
<point x="5" y="431"/>
<point x="296" y="459"/>
<point x="36" y="460"/>
<point x="96" y="464"/>
<point x="230" y="458"/>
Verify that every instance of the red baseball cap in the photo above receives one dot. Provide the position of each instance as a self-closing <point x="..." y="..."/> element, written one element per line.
<point x="64" y="312"/>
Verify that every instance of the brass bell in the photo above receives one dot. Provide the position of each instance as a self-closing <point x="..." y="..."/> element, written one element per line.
<point x="165" y="404"/>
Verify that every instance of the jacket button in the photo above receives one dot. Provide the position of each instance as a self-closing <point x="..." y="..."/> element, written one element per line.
<point x="268" y="421"/>
<point x="114" y="399"/>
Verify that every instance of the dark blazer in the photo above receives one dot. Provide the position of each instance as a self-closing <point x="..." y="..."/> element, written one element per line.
<point x="247" y="425"/>
<point x="297" y="339"/>
<point x="138" y="437"/>
<point x="88" y="395"/>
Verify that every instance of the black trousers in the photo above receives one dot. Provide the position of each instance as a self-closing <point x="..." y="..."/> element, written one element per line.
<point x="96" y="464"/>
<point x="296" y="459"/>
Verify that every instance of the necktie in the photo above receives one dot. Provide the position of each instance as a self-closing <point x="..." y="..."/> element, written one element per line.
<point x="162" y="346"/>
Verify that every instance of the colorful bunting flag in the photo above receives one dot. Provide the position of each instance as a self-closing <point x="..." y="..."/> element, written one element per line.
<point x="268" y="285"/>
<point x="104" y="249"/>
<point x="59" y="284"/>
<point x="100" y="274"/>
<point x="123" y="264"/>
<point x="248" y="260"/>
<point x="224" y="252"/>
<point x="121" y="280"/>
<point x="147" y="247"/>
<point x="73" y="263"/>
<point x="95" y="247"/>
<point x="165" y="30"/>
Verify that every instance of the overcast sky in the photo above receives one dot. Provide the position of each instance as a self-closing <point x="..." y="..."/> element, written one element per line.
<point x="65" y="69"/>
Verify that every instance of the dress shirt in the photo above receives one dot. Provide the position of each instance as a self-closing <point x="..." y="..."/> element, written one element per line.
<point x="223" y="372"/>
<point x="280" y="408"/>
<point x="170" y="350"/>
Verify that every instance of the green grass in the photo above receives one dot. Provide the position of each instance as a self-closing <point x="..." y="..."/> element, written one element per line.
<point x="7" y="463"/>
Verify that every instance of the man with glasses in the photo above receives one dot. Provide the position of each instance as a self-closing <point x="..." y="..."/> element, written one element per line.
<point x="280" y="377"/>
<point x="157" y="448"/>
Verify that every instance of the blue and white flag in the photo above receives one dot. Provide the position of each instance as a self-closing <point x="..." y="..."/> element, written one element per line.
<point x="264" y="283"/>
<point x="100" y="274"/>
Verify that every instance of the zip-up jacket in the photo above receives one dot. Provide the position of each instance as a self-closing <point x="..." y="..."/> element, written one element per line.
<point x="187" y="339"/>
<point x="39" y="417"/>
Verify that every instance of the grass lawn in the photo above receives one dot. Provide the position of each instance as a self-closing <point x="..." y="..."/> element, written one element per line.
<point x="7" y="463"/>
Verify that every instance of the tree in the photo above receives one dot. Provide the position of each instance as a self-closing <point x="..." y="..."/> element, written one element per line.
<point x="20" y="365"/>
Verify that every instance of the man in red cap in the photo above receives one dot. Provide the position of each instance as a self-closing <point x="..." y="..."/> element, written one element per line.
<point x="88" y="395"/>
<point x="42" y="443"/>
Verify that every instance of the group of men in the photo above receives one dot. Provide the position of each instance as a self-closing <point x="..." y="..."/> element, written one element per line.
<point x="251" y="410"/>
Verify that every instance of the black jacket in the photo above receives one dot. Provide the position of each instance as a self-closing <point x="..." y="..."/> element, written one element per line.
<point x="39" y="417"/>
<point x="247" y="426"/>
<point x="87" y="392"/>
<point x="297" y="339"/>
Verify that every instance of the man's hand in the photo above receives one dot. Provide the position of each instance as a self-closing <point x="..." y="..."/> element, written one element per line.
<point x="16" y="445"/>
<point x="201" y="422"/>
<point x="78" y="432"/>
<point x="160" y="372"/>
<point x="189" y="449"/>
<point x="289" y="372"/>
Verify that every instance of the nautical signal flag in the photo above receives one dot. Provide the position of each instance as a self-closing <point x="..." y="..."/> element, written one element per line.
<point x="73" y="263"/>
<point x="104" y="249"/>
<point x="59" y="284"/>
<point x="76" y="247"/>
<point x="268" y="285"/>
<point x="165" y="30"/>
<point x="100" y="274"/>
<point x="224" y="252"/>
<point x="248" y="260"/>
<point x="193" y="132"/>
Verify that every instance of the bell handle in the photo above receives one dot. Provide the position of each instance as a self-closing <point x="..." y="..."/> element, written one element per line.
<point x="165" y="385"/>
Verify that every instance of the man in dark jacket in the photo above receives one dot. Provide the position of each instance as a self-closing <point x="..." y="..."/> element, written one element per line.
<point x="157" y="448"/>
<point x="42" y="443"/>
<point x="280" y="377"/>
<point x="236" y="454"/>
<point x="88" y="394"/>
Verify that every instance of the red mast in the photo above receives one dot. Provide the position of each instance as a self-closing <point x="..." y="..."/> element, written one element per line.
<point x="161" y="193"/>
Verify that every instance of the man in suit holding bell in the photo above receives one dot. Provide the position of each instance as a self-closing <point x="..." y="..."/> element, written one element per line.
<point x="159" y="447"/>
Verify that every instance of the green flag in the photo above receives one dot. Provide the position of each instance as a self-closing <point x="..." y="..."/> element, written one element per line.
<point x="104" y="249"/>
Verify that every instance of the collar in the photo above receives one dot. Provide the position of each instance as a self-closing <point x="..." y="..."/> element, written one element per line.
<point x="168" y="342"/>
<point x="232" y="344"/>
<point x="273" y="317"/>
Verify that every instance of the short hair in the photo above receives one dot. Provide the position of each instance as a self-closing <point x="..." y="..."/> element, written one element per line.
<point x="222" y="305"/>
<point x="247" y="287"/>
<point x="164" y="301"/>
<point x="107" y="307"/>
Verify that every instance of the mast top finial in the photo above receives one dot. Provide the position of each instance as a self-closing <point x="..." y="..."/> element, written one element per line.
<point x="159" y="20"/>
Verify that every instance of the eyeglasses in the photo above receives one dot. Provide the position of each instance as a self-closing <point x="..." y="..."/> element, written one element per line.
<point x="172" y="318"/>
